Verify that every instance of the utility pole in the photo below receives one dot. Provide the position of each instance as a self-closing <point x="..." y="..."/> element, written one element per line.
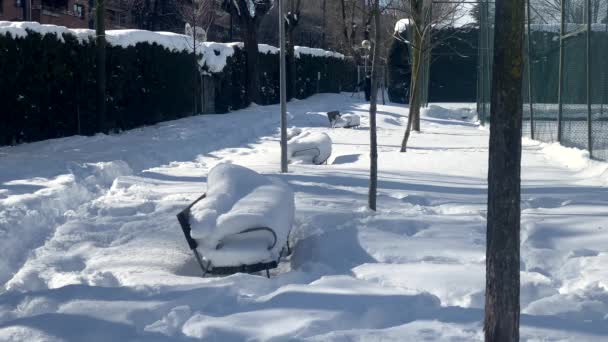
<point x="283" y="90"/>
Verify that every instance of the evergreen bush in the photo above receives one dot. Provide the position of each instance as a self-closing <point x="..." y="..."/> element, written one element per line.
<point x="48" y="85"/>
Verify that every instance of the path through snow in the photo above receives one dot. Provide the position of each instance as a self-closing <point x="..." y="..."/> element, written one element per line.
<point x="91" y="249"/>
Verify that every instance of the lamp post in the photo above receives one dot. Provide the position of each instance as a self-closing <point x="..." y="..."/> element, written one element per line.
<point x="366" y="45"/>
<point x="283" y="86"/>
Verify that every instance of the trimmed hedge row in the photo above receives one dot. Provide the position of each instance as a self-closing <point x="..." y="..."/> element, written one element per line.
<point x="47" y="87"/>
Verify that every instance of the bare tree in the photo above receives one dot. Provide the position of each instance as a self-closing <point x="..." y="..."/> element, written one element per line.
<point x="198" y="15"/>
<point x="502" y="308"/>
<point x="250" y="14"/>
<point x="422" y="16"/>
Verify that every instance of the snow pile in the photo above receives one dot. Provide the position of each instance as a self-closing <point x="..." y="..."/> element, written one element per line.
<point x="309" y="147"/>
<point x="215" y="55"/>
<point x="237" y="199"/>
<point x="347" y="121"/>
<point x="293" y="131"/>
<point x="402" y="25"/>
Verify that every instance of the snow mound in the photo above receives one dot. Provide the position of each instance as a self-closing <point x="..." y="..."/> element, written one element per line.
<point x="402" y="25"/>
<point x="309" y="147"/>
<point x="237" y="199"/>
<point x="293" y="131"/>
<point x="348" y="120"/>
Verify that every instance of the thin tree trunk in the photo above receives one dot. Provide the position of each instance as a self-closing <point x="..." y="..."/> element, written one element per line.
<point x="291" y="64"/>
<point x="502" y="308"/>
<point x="101" y="66"/>
<point x="414" y="101"/>
<point x="251" y="48"/>
<point x="195" y="67"/>
<point x="373" y="145"/>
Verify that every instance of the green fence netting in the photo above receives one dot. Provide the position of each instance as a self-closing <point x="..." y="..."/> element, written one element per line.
<point x="565" y="87"/>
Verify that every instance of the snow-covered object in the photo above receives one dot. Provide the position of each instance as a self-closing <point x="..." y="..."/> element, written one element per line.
<point x="268" y="49"/>
<point x="402" y="25"/>
<point x="303" y="50"/>
<point x="348" y="120"/>
<point x="309" y="147"/>
<point x="237" y="199"/>
<point x="293" y="131"/>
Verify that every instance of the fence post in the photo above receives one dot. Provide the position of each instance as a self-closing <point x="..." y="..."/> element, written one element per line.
<point x="589" y="32"/>
<point x="530" y="94"/>
<point x="560" y="92"/>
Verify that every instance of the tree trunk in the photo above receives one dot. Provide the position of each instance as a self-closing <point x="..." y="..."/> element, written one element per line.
<point x="503" y="231"/>
<point x="101" y="66"/>
<point x="291" y="63"/>
<point x="195" y="71"/>
<point x="251" y="50"/>
<point x="373" y="144"/>
<point x="414" y="101"/>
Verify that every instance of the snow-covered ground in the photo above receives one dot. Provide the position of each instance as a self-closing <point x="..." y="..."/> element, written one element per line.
<point x="91" y="249"/>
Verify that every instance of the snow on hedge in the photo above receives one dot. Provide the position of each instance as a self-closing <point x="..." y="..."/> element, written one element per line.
<point x="303" y="50"/>
<point x="239" y="198"/>
<point x="309" y="147"/>
<point x="213" y="55"/>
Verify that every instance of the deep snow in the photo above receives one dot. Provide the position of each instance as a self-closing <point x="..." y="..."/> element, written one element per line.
<point x="91" y="249"/>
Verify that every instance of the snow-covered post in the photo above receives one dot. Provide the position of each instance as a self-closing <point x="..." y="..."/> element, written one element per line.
<point x="283" y="93"/>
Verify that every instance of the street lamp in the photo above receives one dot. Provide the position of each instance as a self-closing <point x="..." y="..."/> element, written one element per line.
<point x="283" y="90"/>
<point x="366" y="45"/>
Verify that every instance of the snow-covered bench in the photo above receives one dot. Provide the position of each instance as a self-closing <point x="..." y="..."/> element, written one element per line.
<point x="309" y="147"/>
<point x="337" y="120"/>
<point x="241" y="224"/>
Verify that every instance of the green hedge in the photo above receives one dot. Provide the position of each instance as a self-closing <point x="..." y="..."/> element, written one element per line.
<point x="335" y="76"/>
<point x="48" y="86"/>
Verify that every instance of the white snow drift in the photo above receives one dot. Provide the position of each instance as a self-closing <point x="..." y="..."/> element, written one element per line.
<point x="89" y="238"/>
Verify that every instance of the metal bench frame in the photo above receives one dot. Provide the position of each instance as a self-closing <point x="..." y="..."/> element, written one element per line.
<point x="184" y="220"/>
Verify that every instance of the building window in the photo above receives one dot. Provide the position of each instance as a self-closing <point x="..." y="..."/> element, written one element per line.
<point x="1" y="6"/>
<point x="79" y="11"/>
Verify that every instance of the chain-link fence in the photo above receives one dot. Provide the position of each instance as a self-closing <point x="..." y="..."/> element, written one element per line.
<point x="565" y="86"/>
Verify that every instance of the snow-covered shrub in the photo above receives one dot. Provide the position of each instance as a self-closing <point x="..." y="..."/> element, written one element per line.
<point x="48" y="87"/>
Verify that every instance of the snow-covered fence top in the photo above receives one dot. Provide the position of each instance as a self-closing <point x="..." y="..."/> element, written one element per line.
<point x="570" y="27"/>
<point x="214" y="55"/>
